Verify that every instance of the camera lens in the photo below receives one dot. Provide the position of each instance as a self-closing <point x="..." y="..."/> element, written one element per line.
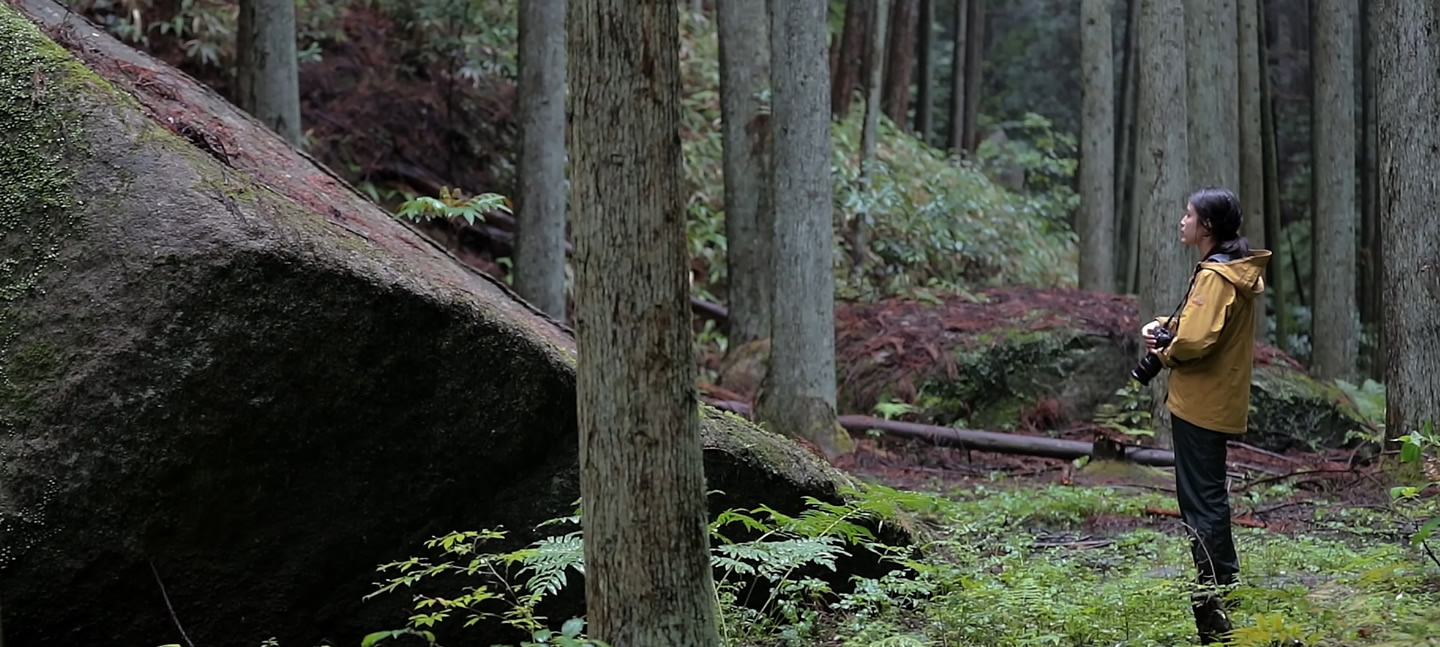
<point x="1147" y="369"/>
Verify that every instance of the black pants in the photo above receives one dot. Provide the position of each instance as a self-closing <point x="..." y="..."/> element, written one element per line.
<point x="1204" y="501"/>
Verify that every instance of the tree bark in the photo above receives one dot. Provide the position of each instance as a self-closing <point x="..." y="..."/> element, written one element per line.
<point x="849" y="55"/>
<point x="749" y="212"/>
<point x="974" y="71"/>
<point x="1335" y="334"/>
<point x="1409" y="127"/>
<point x="1124" y="154"/>
<point x="955" y="130"/>
<point x="1252" y="148"/>
<point x="642" y="481"/>
<point x="1372" y="259"/>
<point x="1278" y="281"/>
<point x="900" y="61"/>
<point x="1162" y="161"/>
<point x="1097" y="153"/>
<point x="925" y="91"/>
<point x="266" y="68"/>
<point x="1212" y="116"/>
<point x="798" y="392"/>
<point x="869" y="135"/>
<point x="540" y="216"/>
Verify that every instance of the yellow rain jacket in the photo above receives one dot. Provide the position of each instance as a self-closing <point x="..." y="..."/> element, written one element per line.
<point x="1214" y="346"/>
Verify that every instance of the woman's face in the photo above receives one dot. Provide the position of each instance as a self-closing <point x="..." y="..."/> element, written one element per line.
<point x="1190" y="230"/>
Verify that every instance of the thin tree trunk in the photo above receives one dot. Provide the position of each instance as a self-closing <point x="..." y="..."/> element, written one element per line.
<point x="900" y="60"/>
<point x="266" y="69"/>
<point x="1212" y="118"/>
<point x="1127" y="175"/>
<point x="925" y="92"/>
<point x="1334" y="333"/>
<point x="1368" y="285"/>
<point x="798" y="392"/>
<point x="1162" y="166"/>
<point x="540" y="219"/>
<point x="1252" y="147"/>
<point x="749" y="216"/>
<point x="1409" y="127"/>
<point x="974" y="71"/>
<point x="874" y="85"/>
<point x="642" y="481"/>
<point x="1275" y="273"/>
<point x="955" y="135"/>
<point x="1097" y="153"/>
<point x="849" y="55"/>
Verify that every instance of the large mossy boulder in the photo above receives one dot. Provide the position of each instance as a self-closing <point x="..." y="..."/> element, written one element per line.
<point x="1016" y="356"/>
<point x="224" y="372"/>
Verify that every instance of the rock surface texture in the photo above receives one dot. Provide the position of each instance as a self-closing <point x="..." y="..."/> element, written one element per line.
<point x="224" y="371"/>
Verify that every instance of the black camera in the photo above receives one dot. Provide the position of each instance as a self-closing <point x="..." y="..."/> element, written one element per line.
<point x="1150" y="365"/>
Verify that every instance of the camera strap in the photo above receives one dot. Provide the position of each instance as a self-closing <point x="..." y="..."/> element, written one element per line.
<point x="1217" y="257"/>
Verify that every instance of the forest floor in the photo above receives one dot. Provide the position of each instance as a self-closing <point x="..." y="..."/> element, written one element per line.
<point x="1041" y="551"/>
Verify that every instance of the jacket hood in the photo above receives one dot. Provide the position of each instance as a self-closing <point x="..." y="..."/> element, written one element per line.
<point x="1246" y="274"/>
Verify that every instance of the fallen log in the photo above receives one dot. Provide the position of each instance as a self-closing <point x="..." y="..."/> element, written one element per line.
<point x="994" y="441"/>
<point x="990" y="441"/>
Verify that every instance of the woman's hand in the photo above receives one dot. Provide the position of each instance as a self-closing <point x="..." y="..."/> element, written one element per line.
<point x="1148" y="333"/>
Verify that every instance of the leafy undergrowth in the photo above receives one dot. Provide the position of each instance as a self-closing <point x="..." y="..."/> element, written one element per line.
<point x="996" y="564"/>
<point x="937" y="222"/>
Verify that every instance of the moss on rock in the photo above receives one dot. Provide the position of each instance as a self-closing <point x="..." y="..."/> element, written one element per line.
<point x="207" y="368"/>
<point x="1288" y="408"/>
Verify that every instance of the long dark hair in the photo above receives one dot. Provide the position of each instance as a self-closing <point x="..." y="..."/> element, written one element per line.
<point x="1219" y="212"/>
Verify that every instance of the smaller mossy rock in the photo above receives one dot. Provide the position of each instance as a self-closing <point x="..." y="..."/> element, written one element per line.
<point x="1001" y="375"/>
<point x="1289" y="409"/>
<point x="986" y="361"/>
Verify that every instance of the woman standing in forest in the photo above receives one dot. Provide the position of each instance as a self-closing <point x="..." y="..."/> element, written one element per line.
<point x="1209" y="348"/>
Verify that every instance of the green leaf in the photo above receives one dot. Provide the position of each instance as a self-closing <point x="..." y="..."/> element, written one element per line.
<point x="373" y="638"/>
<point x="1403" y="492"/>
<point x="1409" y="452"/>
<point x="1425" y="531"/>
<point x="572" y="627"/>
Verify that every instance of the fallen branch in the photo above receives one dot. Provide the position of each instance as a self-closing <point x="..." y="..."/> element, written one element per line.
<point x="1278" y="477"/>
<point x="1239" y="521"/>
<point x="1266" y="452"/>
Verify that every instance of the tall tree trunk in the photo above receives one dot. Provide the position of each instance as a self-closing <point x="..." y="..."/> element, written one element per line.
<point x="1126" y="180"/>
<point x="1162" y="161"/>
<point x="849" y="55"/>
<point x="874" y="54"/>
<point x="642" y="480"/>
<point x="1097" y="153"/>
<point x="1368" y="285"/>
<point x="1334" y="327"/>
<point x="974" y="71"/>
<point x="749" y="216"/>
<point x="925" y="92"/>
<point x="1276" y="277"/>
<point x="540" y="219"/>
<point x="1252" y="147"/>
<point x="955" y="131"/>
<point x="266" y="68"/>
<point x="1212" y="119"/>
<point x="798" y="392"/>
<point x="900" y="60"/>
<point x="1409" y="129"/>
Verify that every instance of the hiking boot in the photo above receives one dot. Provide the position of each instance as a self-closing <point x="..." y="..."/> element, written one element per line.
<point x="1211" y="620"/>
